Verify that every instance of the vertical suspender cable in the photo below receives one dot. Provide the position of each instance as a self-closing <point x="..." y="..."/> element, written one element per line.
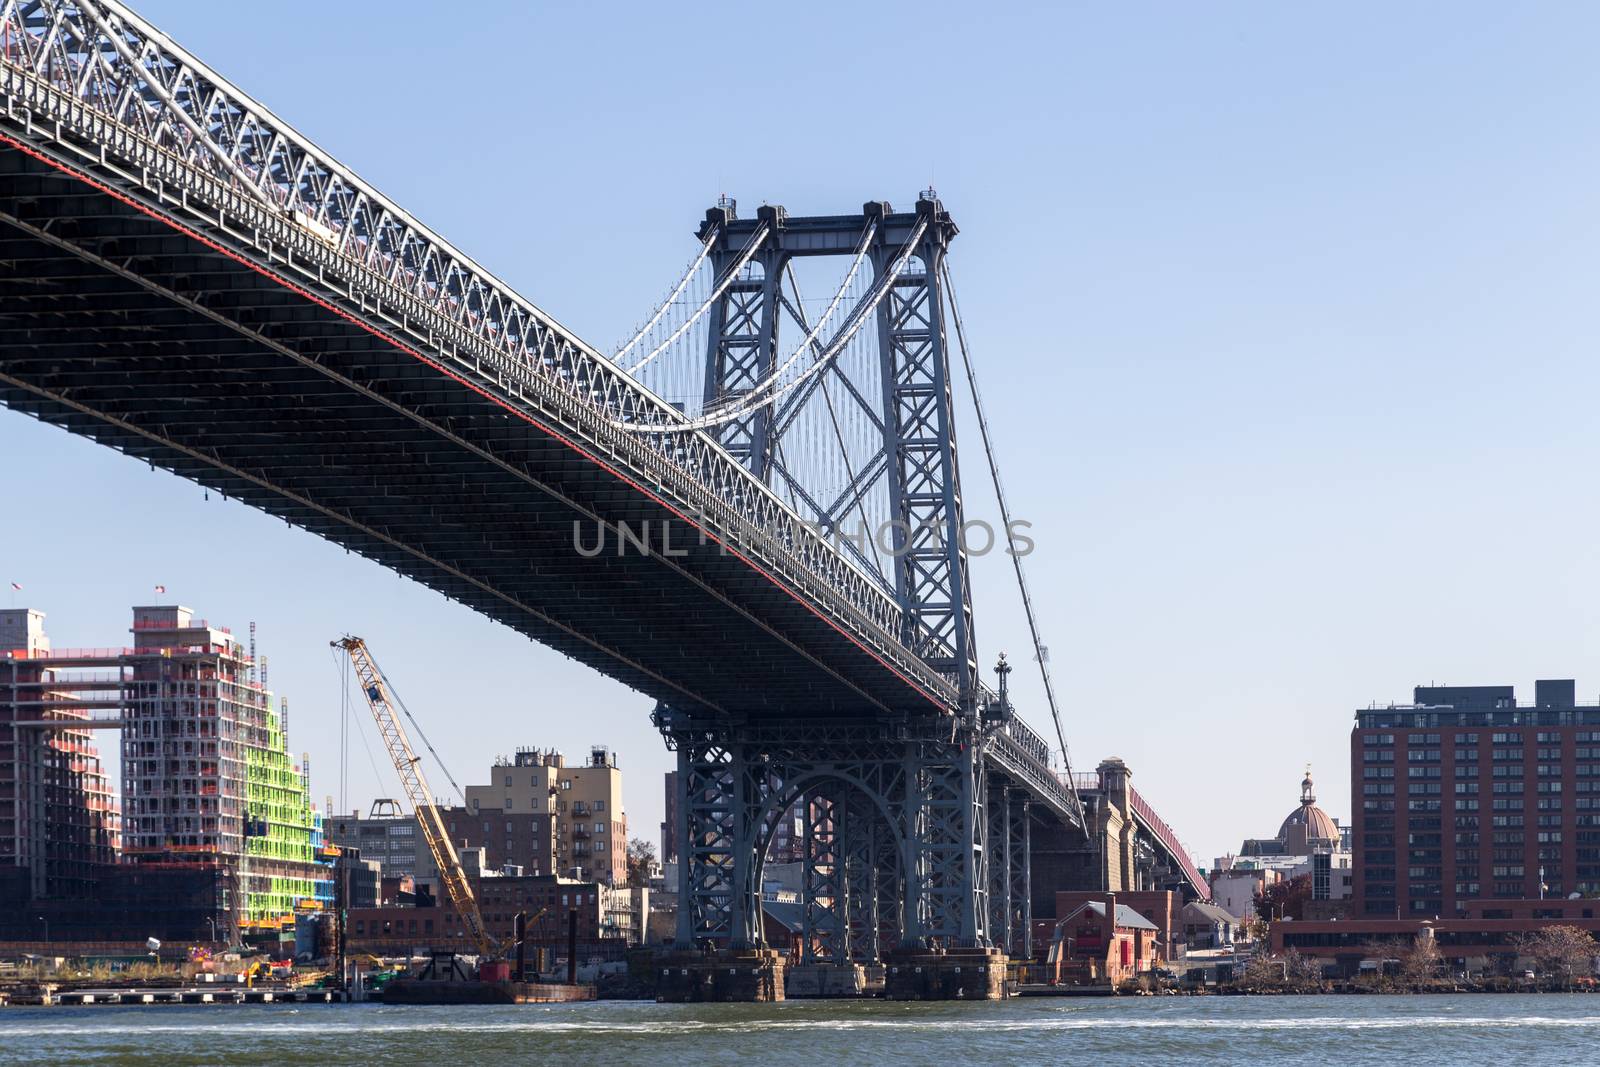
<point x="1011" y="541"/>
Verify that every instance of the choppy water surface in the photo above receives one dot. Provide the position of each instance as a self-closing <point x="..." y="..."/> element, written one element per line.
<point x="1170" y="1030"/>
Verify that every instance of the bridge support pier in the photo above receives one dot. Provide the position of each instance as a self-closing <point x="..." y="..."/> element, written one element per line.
<point x="1010" y="870"/>
<point x="895" y="827"/>
<point x="747" y="976"/>
<point x="953" y="974"/>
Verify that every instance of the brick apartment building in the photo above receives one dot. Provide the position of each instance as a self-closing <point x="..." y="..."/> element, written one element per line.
<point x="522" y="839"/>
<point x="546" y="899"/>
<point x="1488" y="938"/>
<point x="582" y="801"/>
<point x="1466" y="795"/>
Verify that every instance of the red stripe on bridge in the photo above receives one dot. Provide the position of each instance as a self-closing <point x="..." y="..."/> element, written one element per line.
<point x="306" y="294"/>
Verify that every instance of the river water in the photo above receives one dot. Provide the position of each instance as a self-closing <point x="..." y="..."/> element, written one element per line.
<point x="1345" y="1030"/>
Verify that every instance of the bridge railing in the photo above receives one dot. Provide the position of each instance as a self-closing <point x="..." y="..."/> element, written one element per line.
<point x="125" y="97"/>
<point x="1169" y="840"/>
<point x="1025" y="755"/>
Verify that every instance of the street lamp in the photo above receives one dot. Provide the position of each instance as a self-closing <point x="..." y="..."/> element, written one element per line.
<point x="46" y="930"/>
<point x="212" y="919"/>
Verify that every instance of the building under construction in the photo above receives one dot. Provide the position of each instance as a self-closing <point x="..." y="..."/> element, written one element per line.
<point x="59" y="821"/>
<point x="209" y="789"/>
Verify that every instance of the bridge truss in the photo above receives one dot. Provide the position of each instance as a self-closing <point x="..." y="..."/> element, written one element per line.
<point x="222" y="273"/>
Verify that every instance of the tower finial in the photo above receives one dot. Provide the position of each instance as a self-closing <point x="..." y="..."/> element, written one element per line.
<point x="1306" y="795"/>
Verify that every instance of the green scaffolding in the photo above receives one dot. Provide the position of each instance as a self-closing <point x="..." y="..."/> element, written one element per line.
<point x="282" y="832"/>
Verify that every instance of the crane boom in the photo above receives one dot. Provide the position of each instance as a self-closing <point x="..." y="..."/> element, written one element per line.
<point x="408" y="765"/>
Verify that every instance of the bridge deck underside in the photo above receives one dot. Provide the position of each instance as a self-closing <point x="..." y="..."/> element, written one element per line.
<point x="116" y="326"/>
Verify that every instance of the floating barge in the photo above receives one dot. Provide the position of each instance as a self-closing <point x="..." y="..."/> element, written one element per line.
<point x="428" y="991"/>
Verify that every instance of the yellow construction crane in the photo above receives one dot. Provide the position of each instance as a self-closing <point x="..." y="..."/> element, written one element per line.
<point x="409" y="767"/>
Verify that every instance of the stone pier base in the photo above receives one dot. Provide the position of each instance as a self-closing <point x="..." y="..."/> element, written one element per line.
<point x="947" y="974"/>
<point x="825" y="980"/>
<point x="746" y="975"/>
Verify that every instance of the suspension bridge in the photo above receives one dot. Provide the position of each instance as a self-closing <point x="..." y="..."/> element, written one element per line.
<point x="748" y="508"/>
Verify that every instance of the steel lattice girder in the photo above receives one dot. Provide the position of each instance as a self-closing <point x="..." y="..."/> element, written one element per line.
<point x="924" y="791"/>
<point x="87" y="83"/>
<point x="1000" y="857"/>
<point x="823" y="900"/>
<point x="406" y="380"/>
<point x="931" y="576"/>
<point x="870" y="883"/>
<point x="917" y="459"/>
<point x="1010" y="867"/>
<point x="742" y="343"/>
<point x="1019" y="867"/>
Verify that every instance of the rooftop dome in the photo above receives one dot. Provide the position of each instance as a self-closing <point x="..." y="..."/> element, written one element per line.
<point x="1307" y="823"/>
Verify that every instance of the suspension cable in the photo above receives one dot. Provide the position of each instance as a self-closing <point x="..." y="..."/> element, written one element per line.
<point x="844" y="448"/>
<point x="757" y="238"/>
<point x="810" y="339"/>
<point x="705" y="250"/>
<point x="858" y="317"/>
<point x="1011" y="540"/>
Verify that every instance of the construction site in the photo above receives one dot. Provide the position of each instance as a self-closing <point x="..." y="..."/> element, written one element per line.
<point x="211" y="853"/>
<point x="216" y="838"/>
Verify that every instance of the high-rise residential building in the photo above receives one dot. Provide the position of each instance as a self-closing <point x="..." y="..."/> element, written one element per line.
<point x="209" y="787"/>
<point x="585" y="801"/>
<point x="207" y="776"/>
<point x="1465" y="794"/>
<point x="59" y="820"/>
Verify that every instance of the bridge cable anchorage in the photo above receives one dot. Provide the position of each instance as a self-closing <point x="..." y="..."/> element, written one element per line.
<point x="857" y="318"/>
<point x="153" y="83"/>
<point x="1011" y="540"/>
<point x="688" y="275"/>
<point x="757" y="239"/>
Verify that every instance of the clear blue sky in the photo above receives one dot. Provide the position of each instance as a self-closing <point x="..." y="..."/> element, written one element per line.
<point x="1286" y="317"/>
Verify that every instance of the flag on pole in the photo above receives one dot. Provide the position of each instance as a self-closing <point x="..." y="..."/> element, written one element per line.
<point x="161" y="589"/>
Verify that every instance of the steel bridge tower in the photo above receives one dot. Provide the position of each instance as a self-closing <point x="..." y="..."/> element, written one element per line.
<point x="910" y="842"/>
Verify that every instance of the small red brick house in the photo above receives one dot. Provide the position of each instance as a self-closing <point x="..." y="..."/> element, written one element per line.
<point x="1091" y="950"/>
<point x="1163" y="908"/>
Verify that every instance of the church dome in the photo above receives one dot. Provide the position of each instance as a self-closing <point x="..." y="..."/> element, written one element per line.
<point x="1307" y="824"/>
